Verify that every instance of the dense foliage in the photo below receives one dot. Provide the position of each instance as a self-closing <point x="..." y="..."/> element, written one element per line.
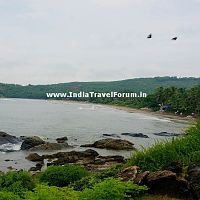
<point x="8" y="196"/>
<point x="63" y="175"/>
<point x="16" y="182"/>
<point x="185" y="149"/>
<point x="177" y="100"/>
<point x="147" y="85"/>
<point x="111" y="188"/>
<point x="43" y="192"/>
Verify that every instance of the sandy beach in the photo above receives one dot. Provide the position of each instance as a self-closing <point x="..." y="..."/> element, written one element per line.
<point x="171" y="116"/>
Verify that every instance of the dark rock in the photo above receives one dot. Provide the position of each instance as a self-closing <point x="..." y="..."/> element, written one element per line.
<point x="109" y="143"/>
<point x="141" y="178"/>
<point x="167" y="183"/>
<point x="91" y="152"/>
<point x="136" y="135"/>
<point x="111" y="135"/>
<point x="166" y="134"/>
<point x="175" y="166"/>
<point x="11" y="168"/>
<point x="50" y="147"/>
<point x="6" y="138"/>
<point x="8" y="160"/>
<point x="38" y="167"/>
<point x="62" y="139"/>
<point x="34" y="157"/>
<point x="194" y="179"/>
<point x="117" y="159"/>
<point x="129" y="173"/>
<point x="81" y="157"/>
<point x="30" y="142"/>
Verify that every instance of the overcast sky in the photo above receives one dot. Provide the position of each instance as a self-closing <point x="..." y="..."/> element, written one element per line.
<point x="52" y="41"/>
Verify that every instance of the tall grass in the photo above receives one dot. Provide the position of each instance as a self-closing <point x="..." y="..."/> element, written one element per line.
<point x="185" y="149"/>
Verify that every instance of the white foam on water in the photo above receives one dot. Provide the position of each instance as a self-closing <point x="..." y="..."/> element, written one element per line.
<point x="10" y="147"/>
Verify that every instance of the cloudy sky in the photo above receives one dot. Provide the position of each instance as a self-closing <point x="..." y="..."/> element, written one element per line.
<point x="51" y="41"/>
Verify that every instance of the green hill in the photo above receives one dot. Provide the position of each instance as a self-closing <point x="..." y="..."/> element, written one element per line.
<point x="147" y="85"/>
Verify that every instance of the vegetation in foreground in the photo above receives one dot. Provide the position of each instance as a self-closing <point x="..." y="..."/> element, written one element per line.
<point x="73" y="182"/>
<point x="185" y="149"/>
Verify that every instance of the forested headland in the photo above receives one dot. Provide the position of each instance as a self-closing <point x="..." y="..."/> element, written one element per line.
<point x="172" y="94"/>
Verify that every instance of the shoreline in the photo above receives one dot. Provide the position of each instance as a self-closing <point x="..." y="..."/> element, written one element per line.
<point x="169" y="116"/>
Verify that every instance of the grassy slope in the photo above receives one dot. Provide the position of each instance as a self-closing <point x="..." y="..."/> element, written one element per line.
<point x="185" y="149"/>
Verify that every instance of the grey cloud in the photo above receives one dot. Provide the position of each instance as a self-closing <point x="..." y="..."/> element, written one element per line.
<point x="47" y="41"/>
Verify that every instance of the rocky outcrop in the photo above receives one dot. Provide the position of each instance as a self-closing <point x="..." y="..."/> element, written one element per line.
<point x="166" y="183"/>
<point x="89" y="158"/>
<point x="141" y="178"/>
<point x="194" y="179"/>
<point x="6" y="138"/>
<point x="109" y="143"/>
<point x="129" y="173"/>
<point x="81" y="157"/>
<point x="61" y="139"/>
<point x="34" y="157"/>
<point x="50" y="147"/>
<point x="141" y="135"/>
<point x="30" y="142"/>
<point x="163" y="182"/>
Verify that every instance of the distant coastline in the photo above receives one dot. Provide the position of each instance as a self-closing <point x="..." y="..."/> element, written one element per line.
<point x="168" y="115"/>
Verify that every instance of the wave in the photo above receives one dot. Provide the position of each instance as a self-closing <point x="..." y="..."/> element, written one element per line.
<point x="9" y="147"/>
<point x="87" y="108"/>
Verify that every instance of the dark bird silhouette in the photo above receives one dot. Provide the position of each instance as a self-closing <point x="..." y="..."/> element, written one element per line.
<point x="149" y="36"/>
<point x="174" y="38"/>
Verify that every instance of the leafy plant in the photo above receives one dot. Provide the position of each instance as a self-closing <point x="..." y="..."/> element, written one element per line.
<point x="44" y="192"/>
<point x="8" y="196"/>
<point x="16" y="182"/>
<point x="63" y="175"/>
<point x="112" y="189"/>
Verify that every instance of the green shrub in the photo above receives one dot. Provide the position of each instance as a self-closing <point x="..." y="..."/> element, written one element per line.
<point x="92" y="179"/>
<point x="16" y="182"/>
<point x="112" y="189"/>
<point x="61" y="176"/>
<point x="87" y="182"/>
<point x="43" y="192"/>
<point x="8" y="196"/>
<point x="185" y="149"/>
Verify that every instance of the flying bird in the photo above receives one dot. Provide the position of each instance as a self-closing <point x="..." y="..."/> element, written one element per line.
<point x="149" y="36"/>
<point x="174" y="38"/>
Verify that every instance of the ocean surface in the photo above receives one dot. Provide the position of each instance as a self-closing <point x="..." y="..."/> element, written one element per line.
<point x="82" y="123"/>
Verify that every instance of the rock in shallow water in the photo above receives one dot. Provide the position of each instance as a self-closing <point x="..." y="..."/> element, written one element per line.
<point x="50" y="147"/>
<point x="6" y="138"/>
<point x="166" y="134"/>
<point x="30" y="142"/>
<point x="115" y="144"/>
<point x="61" y="139"/>
<point x="111" y="135"/>
<point x="34" y="157"/>
<point x="141" y="135"/>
